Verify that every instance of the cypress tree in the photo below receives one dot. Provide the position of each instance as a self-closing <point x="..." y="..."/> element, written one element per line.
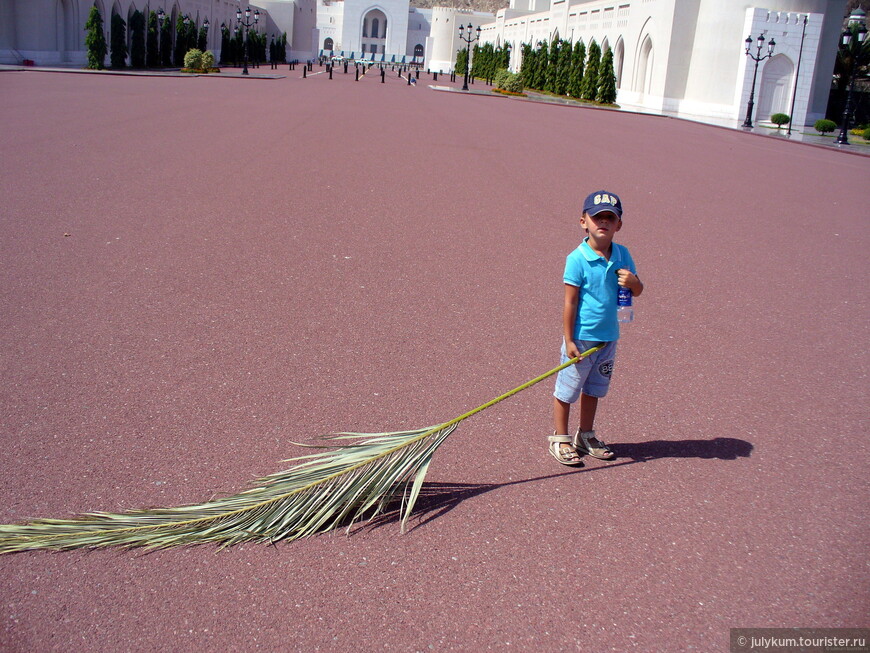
<point x="180" y="41"/>
<point x="543" y="60"/>
<point x="225" y="44"/>
<point x="152" y="54"/>
<point x="461" y="62"/>
<point x="607" y="79"/>
<point x="566" y="56"/>
<point x="575" y="79"/>
<point x="283" y="53"/>
<point x="527" y="63"/>
<point x="552" y="67"/>
<point x="137" y="41"/>
<point x="475" y="61"/>
<point x="95" y="40"/>
<point x="202" y="40"/>
<point x="589" y="90"/>
<point x="166" y="44"/>
<point x="118" y="56"/>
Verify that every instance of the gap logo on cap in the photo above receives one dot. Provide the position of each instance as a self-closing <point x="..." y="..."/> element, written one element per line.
<point x="602" y="200"/>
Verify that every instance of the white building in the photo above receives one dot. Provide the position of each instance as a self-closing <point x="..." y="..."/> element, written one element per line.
<point x="687" y="57"/>
<point x="384" y="30"/>
<point x="684" y="57"/>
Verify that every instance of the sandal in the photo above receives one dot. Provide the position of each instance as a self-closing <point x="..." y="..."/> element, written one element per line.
<point x="586" y="442"/>
<point x="566" y="456"/>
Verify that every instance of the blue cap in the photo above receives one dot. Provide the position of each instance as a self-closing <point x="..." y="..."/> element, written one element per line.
<point x="602" y="200"/>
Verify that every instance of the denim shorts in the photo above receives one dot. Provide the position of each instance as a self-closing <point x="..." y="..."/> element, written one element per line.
<point x="591" y="375"/>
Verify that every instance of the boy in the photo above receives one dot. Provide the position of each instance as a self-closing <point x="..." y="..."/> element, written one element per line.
<point x="593" y="273"/>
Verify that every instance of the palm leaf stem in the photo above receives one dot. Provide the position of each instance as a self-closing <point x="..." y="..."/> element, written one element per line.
<point x="319" y="493"/>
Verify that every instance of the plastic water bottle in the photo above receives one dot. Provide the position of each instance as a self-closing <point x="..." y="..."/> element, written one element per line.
<point x="624" y="311"/>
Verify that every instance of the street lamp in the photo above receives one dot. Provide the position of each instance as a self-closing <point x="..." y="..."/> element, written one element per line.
<point x="797" y="75"/>
<point x="843" y="138"/>
<point x="747" y="124"/>
<point x="161" y="16"/>
<point x="471" y="38"/>
<point x="205" y="26"/>
<point x="247" y="24"/>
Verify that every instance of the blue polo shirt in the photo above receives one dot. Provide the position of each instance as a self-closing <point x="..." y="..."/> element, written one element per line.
<point x="596" y="278"/>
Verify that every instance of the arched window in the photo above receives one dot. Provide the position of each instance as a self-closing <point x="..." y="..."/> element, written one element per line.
<point x="418" y="50"/>
<point x="375" y="26"/>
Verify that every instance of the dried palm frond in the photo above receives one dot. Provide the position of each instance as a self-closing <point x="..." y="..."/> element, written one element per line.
<point x="321" y="492"/>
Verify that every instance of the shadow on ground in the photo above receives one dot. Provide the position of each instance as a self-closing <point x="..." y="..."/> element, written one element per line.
<point x="437" y="499"/>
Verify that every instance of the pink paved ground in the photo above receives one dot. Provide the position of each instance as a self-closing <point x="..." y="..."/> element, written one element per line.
<point x="252" y="262"/>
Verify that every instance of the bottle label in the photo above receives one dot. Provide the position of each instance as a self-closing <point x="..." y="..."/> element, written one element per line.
<point x="623" y="298"/>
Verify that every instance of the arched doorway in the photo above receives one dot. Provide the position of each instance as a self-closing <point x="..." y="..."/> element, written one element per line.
<point x="643" y="72"/>
<point x="776" y="83"/>
<point x="374" y="31"/>
<point x="328" y="44"/>
<point x="65" y="30"/>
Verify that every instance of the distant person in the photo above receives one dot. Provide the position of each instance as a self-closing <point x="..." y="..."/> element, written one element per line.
<point x="593" y="273"/>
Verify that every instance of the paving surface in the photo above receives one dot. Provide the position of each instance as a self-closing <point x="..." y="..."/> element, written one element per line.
<point x="195" y="272"/>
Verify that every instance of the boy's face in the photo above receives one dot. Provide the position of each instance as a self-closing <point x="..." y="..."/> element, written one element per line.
<point x="603" y="225"/>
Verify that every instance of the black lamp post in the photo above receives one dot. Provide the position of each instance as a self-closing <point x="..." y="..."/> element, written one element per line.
<point x="205" y="26"/>
<point x="843" y="138"/>
<point x="247" y="24"/>
<point x="161" y="16"/>
<point x="797" y="75"/>
<point x="747" y="124"/>
<point x="471" y="38"/>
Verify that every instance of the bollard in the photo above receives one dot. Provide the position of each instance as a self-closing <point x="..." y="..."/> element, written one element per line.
<point x="345" y="68"/>
<point x="417" y="74"/>
<point x="330" y="71"/>
<point x="435" y="77"/>
<point x="409" y="79"/>
<point x="383" y="75"/>
<point x="305" y="72"/>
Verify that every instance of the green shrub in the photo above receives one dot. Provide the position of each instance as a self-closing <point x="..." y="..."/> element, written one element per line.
<point x="95" y="41"/>
<point x="137" y="40"/>
<point x="193" y="59"/>
<point x="208" y="60"/>
<point x="118" y="52"/>
<point x="780" y="119"/>
<point x="824" y="126"/>
<point x="866" y="135"/>
<point x="505" y="80"/>
<point x="514" y="83"/>
<point x="607" y="79"/>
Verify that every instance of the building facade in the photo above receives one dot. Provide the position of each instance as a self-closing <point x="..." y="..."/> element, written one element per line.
<point x="682" y="57"/>
<point x="686" y="57"/>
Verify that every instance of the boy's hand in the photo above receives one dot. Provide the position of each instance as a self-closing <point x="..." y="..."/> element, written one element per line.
<point x="630" y="281"/>
<point x="572" y="349"/>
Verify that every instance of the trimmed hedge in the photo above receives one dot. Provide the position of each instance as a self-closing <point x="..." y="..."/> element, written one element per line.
<point x="780" y="119"/>
<point x="825" y="126"/>
<point x="508" y="81"/>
